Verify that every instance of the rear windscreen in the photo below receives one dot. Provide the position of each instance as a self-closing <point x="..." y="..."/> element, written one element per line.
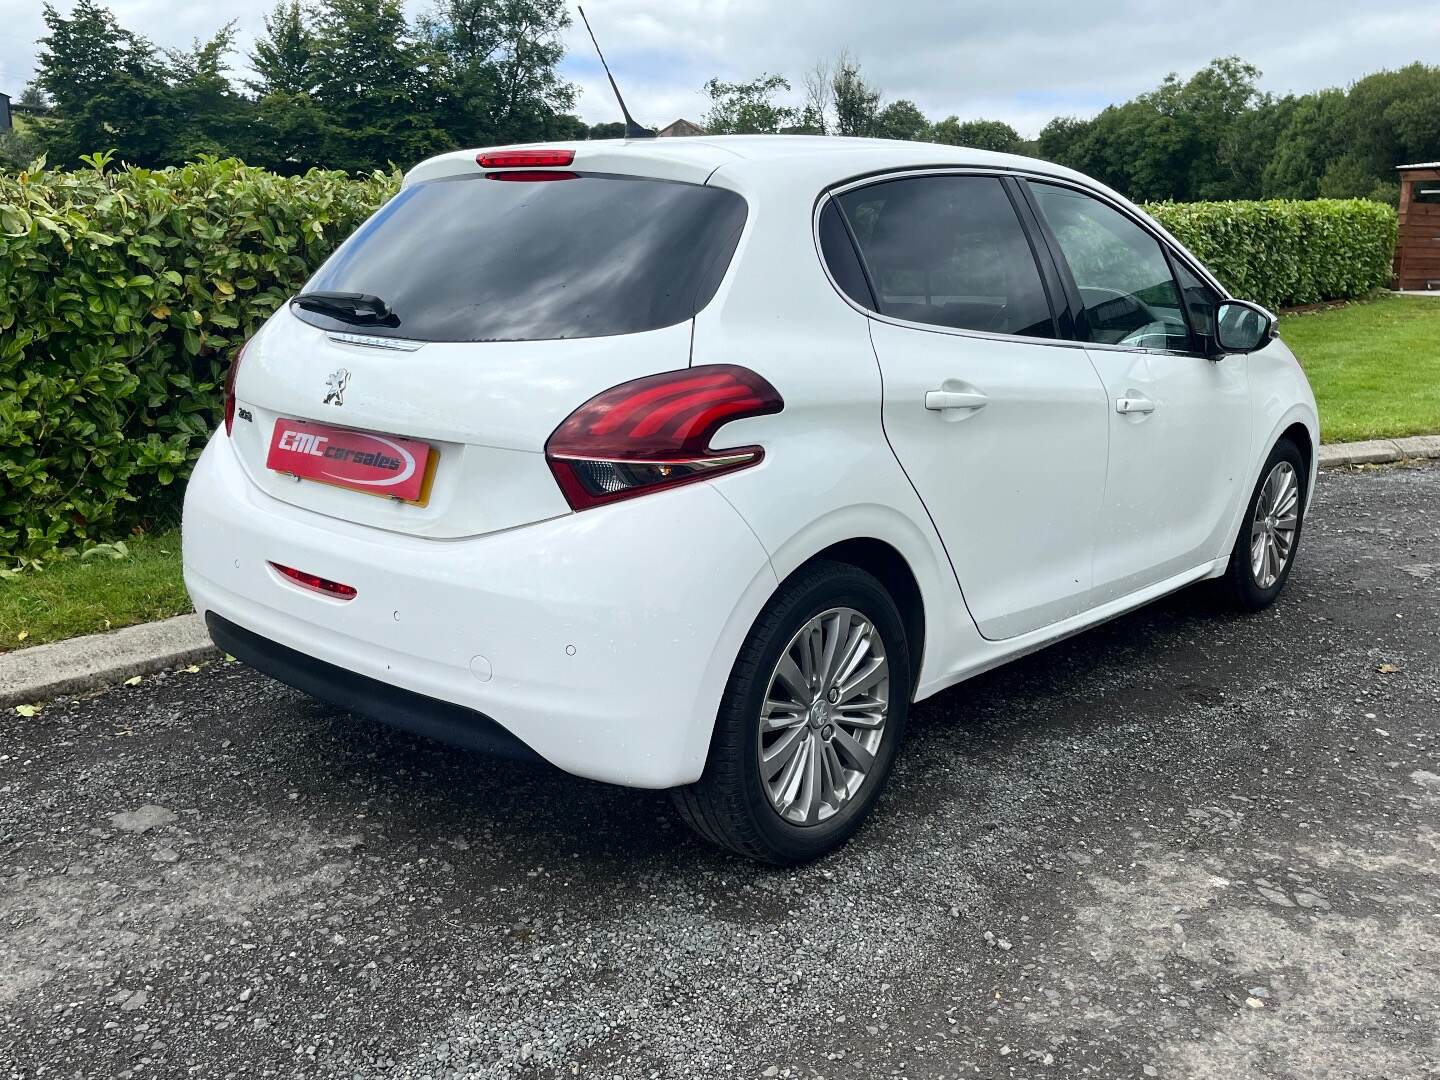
<point x="579" y="255"/>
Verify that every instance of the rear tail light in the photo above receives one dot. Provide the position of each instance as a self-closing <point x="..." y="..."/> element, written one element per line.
<point x="315" y="584"/>
<point x="230" y="389"/>
<point x="655" y="433"/>
<point x="524" y="159"/>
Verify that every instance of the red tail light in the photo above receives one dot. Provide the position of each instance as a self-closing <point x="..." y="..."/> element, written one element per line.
<point x="655" y="433"/>
<point x="524" y="159"/>
<point x="230" y="390"/>
<point x="317" y="584"/>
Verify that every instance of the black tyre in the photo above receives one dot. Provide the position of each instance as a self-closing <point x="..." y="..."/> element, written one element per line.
<point x="810" y="722"/>
<point x="1269" y="536"/>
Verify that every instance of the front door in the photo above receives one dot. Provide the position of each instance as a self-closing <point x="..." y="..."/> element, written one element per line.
<point x="1179" y="422"/>
<point x="1000" y="426"/>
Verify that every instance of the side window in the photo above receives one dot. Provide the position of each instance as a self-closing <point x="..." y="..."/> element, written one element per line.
<point x="840" y="257"/>
<point x="1200" y="302"/>
<point x="1129" y="295"/>
<point x="949" y="251"/>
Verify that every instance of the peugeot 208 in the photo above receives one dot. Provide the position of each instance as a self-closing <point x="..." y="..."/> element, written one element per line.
<point x="692" y="463"/>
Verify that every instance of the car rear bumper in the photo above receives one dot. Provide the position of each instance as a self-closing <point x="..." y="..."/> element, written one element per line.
<point x="364" y="696"/>
<point x="600" y="641"/>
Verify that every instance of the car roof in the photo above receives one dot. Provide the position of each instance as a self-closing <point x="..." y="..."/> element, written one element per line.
<point x="827" y="159"/>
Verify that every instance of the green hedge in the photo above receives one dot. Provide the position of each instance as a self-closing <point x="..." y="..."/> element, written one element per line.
<point x="1286" y="252"/>
<point x="123" y="295"/>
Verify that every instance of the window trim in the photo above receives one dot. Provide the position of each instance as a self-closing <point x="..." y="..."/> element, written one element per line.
<point x="831" y="194"/>
<point x="1022" y="179"/>
<point x="1167" y="252"/>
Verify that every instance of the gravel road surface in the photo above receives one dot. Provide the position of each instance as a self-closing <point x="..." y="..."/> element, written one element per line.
<point x="1186" y="844"/>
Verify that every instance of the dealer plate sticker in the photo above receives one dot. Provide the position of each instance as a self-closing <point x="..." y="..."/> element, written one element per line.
<point x="387" y="465"/>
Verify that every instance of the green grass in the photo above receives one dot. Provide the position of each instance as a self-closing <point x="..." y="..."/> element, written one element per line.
<point x="1375" y="366"/>
<point x="70" y="596"/>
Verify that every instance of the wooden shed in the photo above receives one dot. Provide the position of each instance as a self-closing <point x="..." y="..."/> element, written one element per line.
<point x="1417" y="250"/>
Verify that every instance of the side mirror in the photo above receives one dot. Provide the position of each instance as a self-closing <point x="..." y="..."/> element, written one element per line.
<point x="1243" y="327"/>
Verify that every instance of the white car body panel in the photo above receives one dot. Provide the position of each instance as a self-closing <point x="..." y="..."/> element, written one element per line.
<point x="1042" y="532"/>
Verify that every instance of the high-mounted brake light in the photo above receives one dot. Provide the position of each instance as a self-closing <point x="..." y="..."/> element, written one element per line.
<point x="316" y="584"/>
<point x="230" y="389"/>
<point x="655" y="433"/>
<point x="524" y="159"/>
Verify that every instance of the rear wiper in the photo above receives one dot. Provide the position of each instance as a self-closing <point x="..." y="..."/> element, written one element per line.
<point x="353" y="307"/>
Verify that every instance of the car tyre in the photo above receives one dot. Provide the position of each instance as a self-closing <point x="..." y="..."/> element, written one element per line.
<point x="1269" y="536"/>
<point x="733" y="804"/>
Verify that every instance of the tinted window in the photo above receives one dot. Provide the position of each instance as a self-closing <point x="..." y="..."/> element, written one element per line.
<point x="840" y="256"/>
<point x="475" y="259"/>
<point x="949" y="250"/>
<point x="1126" y="287"/>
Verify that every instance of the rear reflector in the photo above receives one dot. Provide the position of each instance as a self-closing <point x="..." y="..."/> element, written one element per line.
<point x="524" y="159"/>
<point x="655" y="433"/>
<point x="316" y="584"/>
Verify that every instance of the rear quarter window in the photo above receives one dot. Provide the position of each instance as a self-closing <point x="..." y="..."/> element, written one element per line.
<point x="571" y="256"/>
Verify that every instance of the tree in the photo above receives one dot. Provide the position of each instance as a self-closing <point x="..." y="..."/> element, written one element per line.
<point x="747" y="108"/>
<point x="901" y="120"/>
<point x="33" y="96"/>
<point x="107" y="87"/>
<point x="374" y="87"/>
<point x="978" y="134"/>
<point x="614" y="129"/>
<point x="290" y="129"/>
<point x="208" y="116"/>
<point x="819" y="105"/>
<point x="284" y="58"/>
<point x="856" y="102"/>
<point x="496" y="68"/>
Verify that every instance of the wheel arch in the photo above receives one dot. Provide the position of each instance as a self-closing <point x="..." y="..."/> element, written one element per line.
<point x="1299" y="434"/>
<point x="889" y="566"/>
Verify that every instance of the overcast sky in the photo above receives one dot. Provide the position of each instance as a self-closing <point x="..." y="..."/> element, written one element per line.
<point x="1019" y="62"/>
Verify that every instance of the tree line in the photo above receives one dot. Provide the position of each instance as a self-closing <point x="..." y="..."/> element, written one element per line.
<point x="1215" y="135"/>
<point x="355" y="85"/>
<point x="343" y="84"/>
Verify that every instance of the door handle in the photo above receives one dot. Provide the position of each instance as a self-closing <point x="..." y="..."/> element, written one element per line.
<point x="1127" y="405"/>
<point x="940" y="400"/>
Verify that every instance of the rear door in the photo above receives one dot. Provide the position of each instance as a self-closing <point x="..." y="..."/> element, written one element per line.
<point x="1179" y="422"/>
<point x="1000" y="425"/>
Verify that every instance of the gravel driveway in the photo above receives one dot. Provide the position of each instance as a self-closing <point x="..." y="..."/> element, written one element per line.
<point x="1185" y="844"/>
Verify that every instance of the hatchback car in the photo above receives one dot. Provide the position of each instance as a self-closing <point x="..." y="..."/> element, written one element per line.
<point x="692" y="463"/>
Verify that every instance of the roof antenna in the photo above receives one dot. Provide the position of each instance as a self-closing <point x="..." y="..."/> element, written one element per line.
<point x="632" y="129"/>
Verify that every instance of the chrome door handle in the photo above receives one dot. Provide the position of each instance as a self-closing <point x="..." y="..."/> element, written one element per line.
<point x="940" y="400"/>
<point x="1127" y="405"/>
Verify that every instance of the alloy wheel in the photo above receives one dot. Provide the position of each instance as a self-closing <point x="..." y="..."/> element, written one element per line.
<point x="1276" y="521"/>
<point x="824" y="716"/>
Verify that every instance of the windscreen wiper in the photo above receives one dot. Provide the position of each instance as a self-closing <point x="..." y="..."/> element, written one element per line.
<point x="363" y="309"/>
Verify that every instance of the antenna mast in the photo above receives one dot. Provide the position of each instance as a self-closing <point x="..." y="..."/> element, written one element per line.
<point x="632" y="129"/>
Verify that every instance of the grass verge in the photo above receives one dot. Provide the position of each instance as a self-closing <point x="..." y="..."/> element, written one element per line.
<point x="1375" y="366"/>
<point x="71" y="596"/>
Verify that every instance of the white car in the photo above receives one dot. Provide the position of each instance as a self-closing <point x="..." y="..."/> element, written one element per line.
<point x="692" y="463"/>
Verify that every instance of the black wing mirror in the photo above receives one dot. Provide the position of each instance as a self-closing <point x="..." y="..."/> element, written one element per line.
<point x="1243" y="327"/>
